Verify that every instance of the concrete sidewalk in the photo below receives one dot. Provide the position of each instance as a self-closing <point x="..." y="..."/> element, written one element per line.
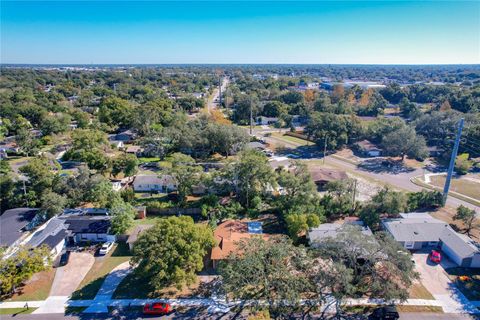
<point x="105" y="293"/>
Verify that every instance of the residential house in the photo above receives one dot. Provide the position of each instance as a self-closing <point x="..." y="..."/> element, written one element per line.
<point x="125" y="136"/>
<point x="367" y="148"/>
<point x="256" y="145"/>
<point x="417" y="231"/>
<point x="229" y="233"/>
<point x="8" y="147"/>
<point x="52" y="234"/>
<point x="87" y="229"/>
<point x="266" y="120"/>
<point x="154" y="183"/>
<point x="322" y="176"/>
<point x="136" y="150"/>
<point x="16" y="224"/>
<point x="324" y="231"/>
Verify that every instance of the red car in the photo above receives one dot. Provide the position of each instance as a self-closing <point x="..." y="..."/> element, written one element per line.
<point x="157" y="308"/>
<point x="435" y="256"/>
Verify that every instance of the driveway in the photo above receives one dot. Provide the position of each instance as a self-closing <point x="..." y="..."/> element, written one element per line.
<point x="68" y="278"/>
<point x="435" y="279"/>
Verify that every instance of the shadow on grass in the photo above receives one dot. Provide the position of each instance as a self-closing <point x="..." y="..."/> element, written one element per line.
<point x="121" y="250"/>
<point x="89" y="291"/>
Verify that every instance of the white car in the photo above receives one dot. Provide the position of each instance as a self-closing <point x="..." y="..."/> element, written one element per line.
<point x="106" y="247"/>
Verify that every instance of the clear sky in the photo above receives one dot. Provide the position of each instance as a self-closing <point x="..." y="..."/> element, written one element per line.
<point x="355" y="32"/>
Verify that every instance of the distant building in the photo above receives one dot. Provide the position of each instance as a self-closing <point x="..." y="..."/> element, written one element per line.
<point x="125" y="136"/>
<point x="367" y="148"/>
<point x="266" y="120"/>
<point x="154" y="183"/>
<point x="136" y="150"/>
<point x="322" y="176"/>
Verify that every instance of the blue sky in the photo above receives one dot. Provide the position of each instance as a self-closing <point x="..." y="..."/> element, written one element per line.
<point x="355" y="32"/>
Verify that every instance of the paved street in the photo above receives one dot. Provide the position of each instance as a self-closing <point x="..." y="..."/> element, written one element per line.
<point x="400" y="180"/>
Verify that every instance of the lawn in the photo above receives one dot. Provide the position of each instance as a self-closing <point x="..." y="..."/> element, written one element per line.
<point x="418" y="291"/>
<point x="471" y="287"/>
<point x="148" y="159"/>
<point x="420" y="309"/>
<point x="135" y="286"/>
<point x="92" y="282"/>
<point x="16" y="311"/>
<point x="295" y="140"/>
<point x="462" y="186"/>
<point x="446" y="214"/>
<point x="37" y="288"/>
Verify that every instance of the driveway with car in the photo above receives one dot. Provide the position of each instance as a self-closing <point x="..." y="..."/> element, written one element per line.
<point x="434" y="277"/>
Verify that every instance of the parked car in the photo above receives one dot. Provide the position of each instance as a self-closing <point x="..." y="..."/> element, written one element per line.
<point x="106" y="247"/>
<point x="64" y="258"/>
<point x="435" y="256"/>
<point x="385" y="313"/>
<point x="157" y="308"/>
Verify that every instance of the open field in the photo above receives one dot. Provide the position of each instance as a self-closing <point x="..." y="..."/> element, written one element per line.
<point x="92" y="282"/>
<point x="300" y="142"/>
<point x="470" y="188"/>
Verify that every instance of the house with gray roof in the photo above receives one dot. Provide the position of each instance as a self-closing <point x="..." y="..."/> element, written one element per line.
<point x="416" y="231"/>
<point x="52" y="234"/>
<point x="15" y="225"/>
<point x="330" y="230"/>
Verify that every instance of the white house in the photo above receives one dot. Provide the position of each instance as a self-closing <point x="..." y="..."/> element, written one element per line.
<point x="154" y="183"/>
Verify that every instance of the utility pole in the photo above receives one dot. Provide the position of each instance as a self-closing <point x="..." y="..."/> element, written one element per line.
<point x="220" y="92"/>
<point x="452" y="161"/>
<point x="251" y="115"/>
<point x="325" y="149"/>
<point x="354" y="194"/>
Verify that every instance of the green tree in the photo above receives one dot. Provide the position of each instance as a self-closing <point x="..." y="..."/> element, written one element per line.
<point x="39" y="174"/>
<point x="389" y="201"/>
<point x="126" y="163"/>
<point x="250" y="175"/>
<point x="462" y="164"/>
<point x="405" y="142"/>
<point x="468" y="217"/>
<point x="172" y="252"/>
<point x="27" y="141"/>
<point x="115" y="111"/>
<point x="21" y="266"/>
<point x="52" y="203"/>
<point x="299" y="223"/>
<point x="186" y="174"/>
<point x="270" y="271"/>
<point x="123" y="215"/>
<point x="373" y="261"/>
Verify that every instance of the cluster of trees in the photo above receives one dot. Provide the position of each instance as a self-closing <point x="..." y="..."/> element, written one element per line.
<point x="292" y="279"/>
<point x="20" y="267"/>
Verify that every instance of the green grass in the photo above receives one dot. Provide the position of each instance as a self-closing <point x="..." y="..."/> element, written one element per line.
<point x="295" y="140"/>
<point x="148" y="159"/>
<point x="418" y="291"/>
<point x="16" y="311"/>
<point x="92" y="282"/>
<point x="133" y="287"/>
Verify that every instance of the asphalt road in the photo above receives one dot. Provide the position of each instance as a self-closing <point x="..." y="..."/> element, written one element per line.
<point x="400" y="180"/>
<point x="194" y="315"/>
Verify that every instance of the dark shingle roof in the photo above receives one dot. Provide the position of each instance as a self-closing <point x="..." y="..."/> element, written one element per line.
<point x="13" y="223"/>
<point x="88" y="224"/>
